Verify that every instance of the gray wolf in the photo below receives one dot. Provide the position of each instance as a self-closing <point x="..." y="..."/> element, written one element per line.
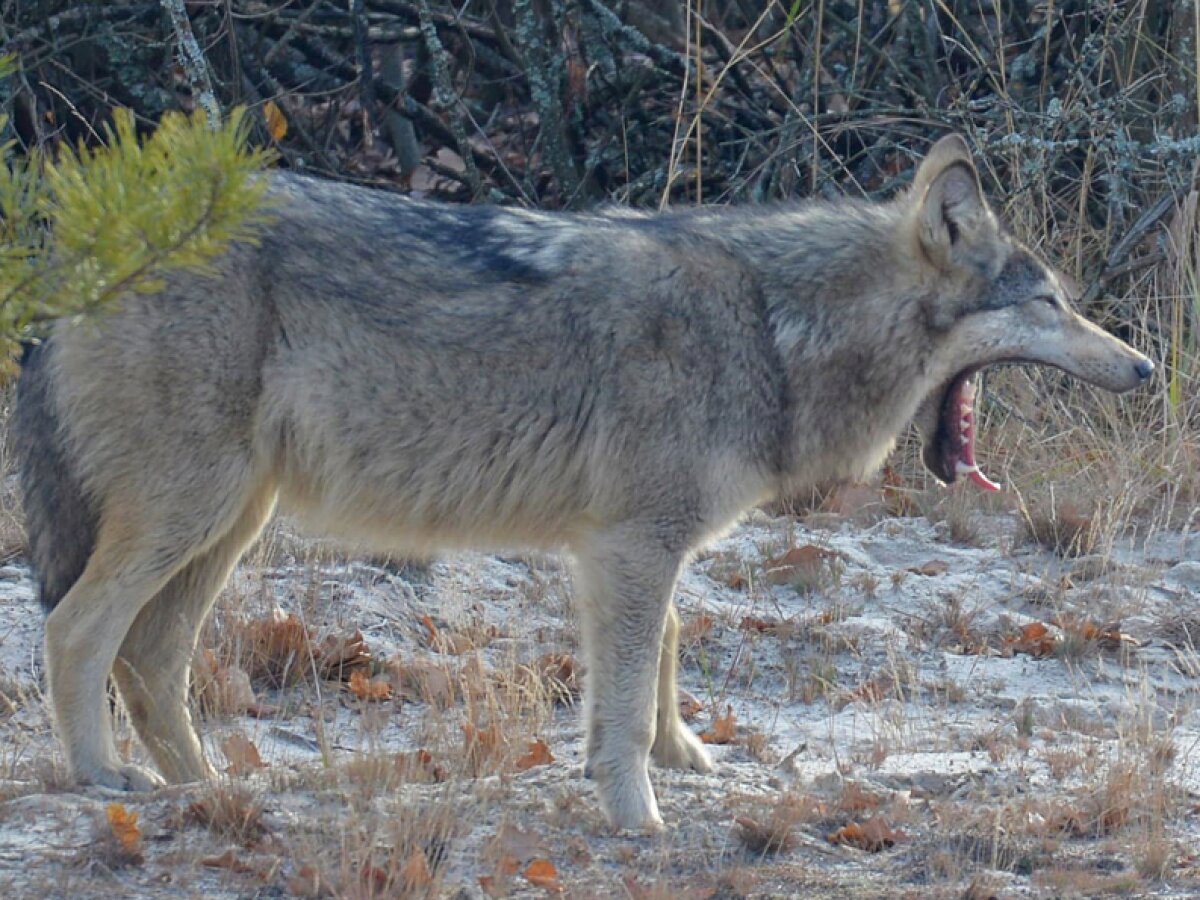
<point x="413" y="376"/>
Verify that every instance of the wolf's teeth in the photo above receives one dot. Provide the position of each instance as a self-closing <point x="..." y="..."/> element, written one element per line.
<point x="975" y="474"/>
<point x="968" y="391"/>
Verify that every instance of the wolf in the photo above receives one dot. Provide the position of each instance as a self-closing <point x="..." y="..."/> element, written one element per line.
<point x="414" y="376"/>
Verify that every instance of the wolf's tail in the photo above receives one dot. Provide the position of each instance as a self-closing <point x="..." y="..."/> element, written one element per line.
<point x="60" y="520"/>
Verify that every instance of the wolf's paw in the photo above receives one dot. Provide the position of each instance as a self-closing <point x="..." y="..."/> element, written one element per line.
<point x="679" y="748"/>
<point x="126" y="777"/>
<point x="627" y="799"/>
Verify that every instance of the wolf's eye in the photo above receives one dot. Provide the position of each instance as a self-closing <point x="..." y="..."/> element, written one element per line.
<point x="1046" y="298"/>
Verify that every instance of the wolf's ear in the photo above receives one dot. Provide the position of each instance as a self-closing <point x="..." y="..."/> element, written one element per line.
<point x="951" y="204"/>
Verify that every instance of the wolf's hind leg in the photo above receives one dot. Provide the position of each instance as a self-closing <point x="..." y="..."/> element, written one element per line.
<point x="626" y="578"/>
<point x="141" y="544"/>
<point x="675" y="745"/>
<point x="155" y="658"/>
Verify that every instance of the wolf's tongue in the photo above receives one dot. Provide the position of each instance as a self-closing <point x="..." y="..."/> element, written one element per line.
<point x="965" y="417"/>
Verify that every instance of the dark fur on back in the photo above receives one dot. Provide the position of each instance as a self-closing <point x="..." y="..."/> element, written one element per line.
<point x="59" y="520"/>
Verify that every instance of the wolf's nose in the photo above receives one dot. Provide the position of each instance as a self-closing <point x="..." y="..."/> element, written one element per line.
<point x="1144" y="369"/>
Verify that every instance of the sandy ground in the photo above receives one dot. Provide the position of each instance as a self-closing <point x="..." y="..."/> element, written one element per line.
<point x="878" y="675"/>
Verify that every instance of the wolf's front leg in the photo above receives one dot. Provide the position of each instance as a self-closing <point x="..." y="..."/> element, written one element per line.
<point x="626" y="578"/>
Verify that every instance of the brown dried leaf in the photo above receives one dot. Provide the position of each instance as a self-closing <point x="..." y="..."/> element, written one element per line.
<point x="370" y="689"/>
<point x="482" y="745"/>
<point x="418" y="766"/>
<point x="538" y="754"/>
<point x="697" y="629"/>
<point x="1035" y="639"/>
<point x="279" y="648"/>
<point x="416" y="873"/>
<point x="309" y="883"/>
<point x="898" y="497"/>
<point x="243" y="756"/>
<point x="763" y="626"/>
<point x="454" y="643"/>
<point x="340" y="655"/>
<point x="724" y="730"/>
<point x="221" y="690"/>
<point x="931" y="568"/>
<point x="512" y="847"/>
<point x="276" y="121"/>
<point x="449" y="642"/>
<point x="229" y="860"/>
<point x="875" y="689"/>
<point x="772" y="837"/>
<point x="689" y="705"/>
<point x="124" y="825"/>
<point x="873" y="835"/>
<point x="797" y="563"/>
<point x="541" y="873"/>
<point x="423" y="681"/>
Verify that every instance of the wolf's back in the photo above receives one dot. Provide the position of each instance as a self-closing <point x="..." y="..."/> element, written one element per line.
<point x="59" y="520"/>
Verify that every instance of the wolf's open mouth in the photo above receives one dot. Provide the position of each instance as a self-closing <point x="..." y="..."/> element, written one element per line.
<point x="954" y="446"/>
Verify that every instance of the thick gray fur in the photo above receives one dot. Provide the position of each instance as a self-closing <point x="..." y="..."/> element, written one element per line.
<point x="412" y="376"/>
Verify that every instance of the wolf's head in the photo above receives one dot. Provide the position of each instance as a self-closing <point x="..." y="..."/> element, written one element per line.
<point x="990" y="300"/>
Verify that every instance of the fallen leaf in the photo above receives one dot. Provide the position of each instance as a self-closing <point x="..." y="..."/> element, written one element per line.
<point x="931" y="568"/>
<point x="689" y="705"/>
<point x="276" y="121"/>
<point x="221" y="690"/>
<point x="855" y="499"/>
<point x="124" y="825"/>
<point x="898" y="497"/>
<point x="418" y="766"/>
<point x="541" y="873"/>
<point x="538" y="754"/>
<point x="416" y="873"/>
<point x="873" y="835"/>
<point x="449" y="642"/>
<point x="454" y="643"/>
<point x="243" y="756"/>
<point x="229" y="860"/>
<point x="278" y="648"/>
<point x="482" y="745"/>
<point x="875" y="689"/>
<point x="796" y="562"/>
<point x="762" y="626"/>
<point x="341" y="655"/>
<point x="423" y="681"/>
<point x="1035" y="639"/>
<point x="366" y="688"/>
<point x="511" y="848"/>
<point x="508" y="865"/>
<point x="697" y="629"/>
<point x="554" y="674"/>
<point x="724" y="730"/>
<point x="375" y="879"/>
<point x="1107" y="637"/>
<point x="308" y="882"/>
<point x="771" y="837"/>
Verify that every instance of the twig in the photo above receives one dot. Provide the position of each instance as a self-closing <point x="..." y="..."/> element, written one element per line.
<point x="633" y="39"/>
<point x="195" y="66"/>
<point x="445" y="97"/>
<point x="366" y="78"/>
<point x="544" y="71"/>
<point x="1116" y="265"/>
